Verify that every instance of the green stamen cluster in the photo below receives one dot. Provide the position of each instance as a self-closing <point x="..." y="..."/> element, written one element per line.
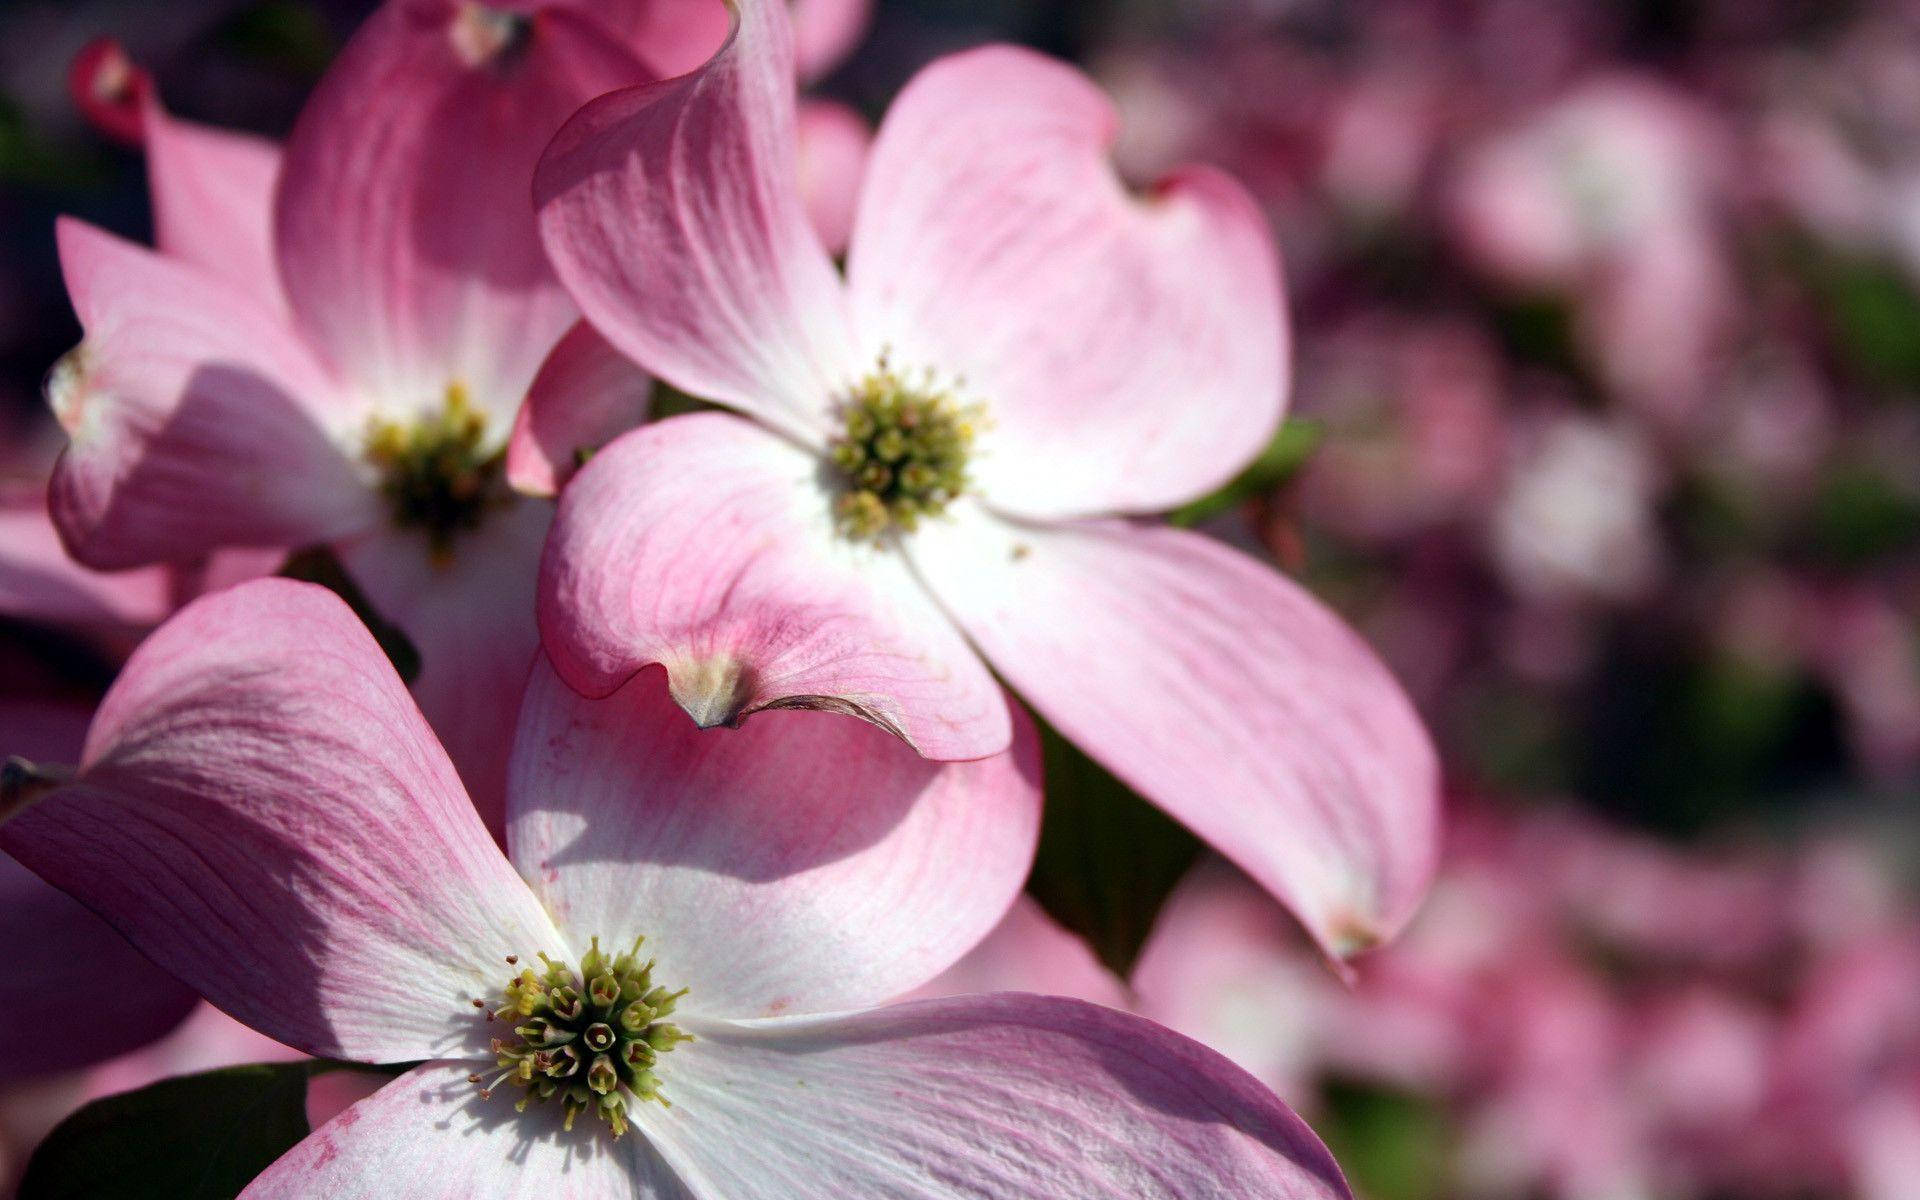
<point x="591" y="1039"/>
<point x="436" y="472"/>
<point x="903" y="454"/>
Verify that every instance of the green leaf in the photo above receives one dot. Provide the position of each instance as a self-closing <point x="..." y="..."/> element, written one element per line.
<point x="1107" y="858"/>
<point x="319" y="564"/>
<point x="193" y="1137"/>
<point x="1284" y="455"/>
<point x="197" y="1137"/>
<point x="1393" y="1145"/>
<point x="669" y="401"/>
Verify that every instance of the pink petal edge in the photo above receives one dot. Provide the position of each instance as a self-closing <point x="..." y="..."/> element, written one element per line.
<point x="1222" y="691"/>
<point x="1130" y="354"/>
<point x="978" y="1096"/>
<point x="262" y="810"/>
<point x="801" y="863"/>
<point x="705" y="544"/>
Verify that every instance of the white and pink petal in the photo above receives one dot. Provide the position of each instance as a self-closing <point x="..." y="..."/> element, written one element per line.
<point x="196" y="419"/>
<point x="586" y="394"/>
<point x="1220" y="690"/>
<point x="977" y="1097"/>
<point x="707" y="545"/>
<point x="673" y="212"/>
<point x="469" y="616"/>
<point x="261" y="810"/>
<point x="1130" y="353"/>
<point x="801" y="863"/>
<point x="92" y="996"/>
<point x="429" y="1135"/>
<point x="403" y="227"/>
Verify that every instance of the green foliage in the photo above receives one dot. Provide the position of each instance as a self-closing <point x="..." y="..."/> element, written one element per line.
<point x="670" y="401"/>
<point x="1682" y="739"/>
<point x="28" y="156"/>
<point x="1107" y="858"/>
<point x="1393" y="1146"/>
<point x="197" y="1137"/>
<point x="1873" y="314"/>
<point x="285" y="34"/>
<point x="1280" y="461"/>
<point x="318" y="564"/>
<point x="1860" y="515"/>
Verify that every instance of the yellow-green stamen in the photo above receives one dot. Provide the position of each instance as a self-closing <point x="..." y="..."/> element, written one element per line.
<point x="902" y="454"/>
<point x="589" y="1038"/>
<point x="437" y="472"/>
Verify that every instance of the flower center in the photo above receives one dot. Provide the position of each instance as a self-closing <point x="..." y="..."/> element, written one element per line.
<point x="590" y="1038"/>
<point x="903" y="453"/>
<point x="436" y="471"/>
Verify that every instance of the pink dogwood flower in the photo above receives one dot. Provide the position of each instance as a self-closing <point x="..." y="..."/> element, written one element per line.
<point x="937" y="449"/>
<point x="262" y="809"/>
<point x="332" y="343"/>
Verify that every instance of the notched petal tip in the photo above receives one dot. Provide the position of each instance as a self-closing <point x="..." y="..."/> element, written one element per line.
<point x="66" y="389"/>
<point x="725" y="691"/>
<point x="484" y="36"/>
<point x="715" y="692"/>
<point x="842" y="706"/>
<point x="23" y="782"/>
<point x="110" y="90"/>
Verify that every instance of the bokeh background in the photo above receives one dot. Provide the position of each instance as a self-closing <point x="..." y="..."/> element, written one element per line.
<point x="1606" y="431"/>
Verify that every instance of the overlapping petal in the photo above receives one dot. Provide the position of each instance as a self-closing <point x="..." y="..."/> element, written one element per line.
<point x="404" y="232"/>
<point x="802" y="863"/>
<point x="706" y="544"/>
<point x="262" y="811"/>
<point x="586" y="394"/>
<point x="976" y="1097"/>
<point x="671" y="36"/>
<point x="470" y="617"/>
<point x="834" y="141"/>
<point x="677" y="36"/>
<point x="92" y="996"/>
<point x="1220" y="690"/>
<point x="1131" y="353"/>
<point x="673" y="213"/>
<point x="429" y="1136"/>
<point x="197" y="421"/>
<point x="213" y="200"/>
<point x="40" y="582"/>
<point x="825" y="32"/>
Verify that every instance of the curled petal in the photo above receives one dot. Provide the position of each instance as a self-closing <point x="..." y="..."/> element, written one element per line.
<point x="1131" y="353"/>
<point x="673" y="212"/>
<point x="197" y="420"/>
<point x="978" y="1096"/>
<point x="706" y="545"/>
<point x="801" y="863"/>
<point x="263" y="812"/>
<point x="1220" y="690"/>
<point x="587" y="394"/>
